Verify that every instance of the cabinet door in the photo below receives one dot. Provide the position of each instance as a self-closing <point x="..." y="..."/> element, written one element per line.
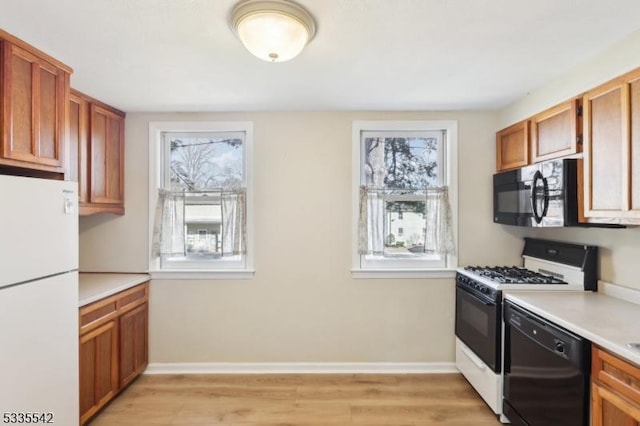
<point x="134" y="343"/>
<point x="34" y="95"/>
<point x="98" y="368"/>
<point x="615" y="390"/>
<point x="606" y="130"/>
<point x="634" y="148"/>
<point x="610" y="409"/>
<point x="612" y="145"/>
<point x="107" y="157"/>
<point x="78" y="169"/>
<point x="512" y="146"/>
<point x="555" y="132"/>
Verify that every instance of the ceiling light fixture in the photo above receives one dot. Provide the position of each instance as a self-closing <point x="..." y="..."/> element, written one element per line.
<point x="273" y="30"/>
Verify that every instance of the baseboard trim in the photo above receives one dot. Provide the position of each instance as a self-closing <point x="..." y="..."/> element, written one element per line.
<point x="302" y="368"/>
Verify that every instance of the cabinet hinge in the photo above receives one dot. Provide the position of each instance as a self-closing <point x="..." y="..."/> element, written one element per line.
<point x="579" y="139"/>
<point x="579" y="111"/>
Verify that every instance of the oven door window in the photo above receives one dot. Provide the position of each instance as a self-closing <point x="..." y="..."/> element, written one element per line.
<point x="477" y="322"/>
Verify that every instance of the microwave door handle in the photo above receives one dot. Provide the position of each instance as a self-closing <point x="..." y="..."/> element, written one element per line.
<point x="545" y="188"/>
<point x="534" y="196"/>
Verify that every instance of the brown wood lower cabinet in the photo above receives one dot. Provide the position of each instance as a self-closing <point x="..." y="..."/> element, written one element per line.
<point x="615" y="391"/>
<point x="98" y="368"/>
<point x="133" y="343"/>
<point x="114" y="340"/>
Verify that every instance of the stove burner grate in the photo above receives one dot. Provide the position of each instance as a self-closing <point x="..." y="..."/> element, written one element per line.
<point x="513" y="275"/>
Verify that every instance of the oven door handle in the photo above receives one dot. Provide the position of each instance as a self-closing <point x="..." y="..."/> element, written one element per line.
<point x="483" y="300"/>
<point x="474" y="358"/>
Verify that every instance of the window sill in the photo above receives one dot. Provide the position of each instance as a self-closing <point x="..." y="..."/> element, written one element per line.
<point x="403" y="273"/>
<point x="222" y="274"/>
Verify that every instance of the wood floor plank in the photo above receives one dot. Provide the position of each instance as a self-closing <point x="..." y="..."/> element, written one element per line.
<point x="314" y="424"/>
<point x="264" y="412"/>
<point x="296" y="399"/>
<point x="440" y="413"/>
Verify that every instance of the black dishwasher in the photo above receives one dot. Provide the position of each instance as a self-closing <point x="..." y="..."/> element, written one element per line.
<point x="546" y="372"/>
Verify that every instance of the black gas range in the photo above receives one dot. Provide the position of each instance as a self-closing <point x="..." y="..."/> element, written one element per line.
<point x="548" y="266"/>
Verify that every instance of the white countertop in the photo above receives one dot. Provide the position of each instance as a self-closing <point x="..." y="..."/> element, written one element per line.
<point x="96" y="286"/>
<point x="607" y="321"/>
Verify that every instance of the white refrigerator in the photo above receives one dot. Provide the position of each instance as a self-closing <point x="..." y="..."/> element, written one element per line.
<point x="38" y="301"/>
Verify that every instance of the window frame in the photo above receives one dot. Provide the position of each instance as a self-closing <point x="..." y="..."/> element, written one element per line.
<point x="405" y="268"/>
<point x="157" y="175"/>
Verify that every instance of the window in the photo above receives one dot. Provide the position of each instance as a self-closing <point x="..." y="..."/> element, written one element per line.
<point x="404" y="196"/>
<point x="200" y="198"/>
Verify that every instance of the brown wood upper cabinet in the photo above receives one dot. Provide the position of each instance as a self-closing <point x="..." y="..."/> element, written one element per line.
<point x="96" y="139"/>
<point x="34" y="89"/>
<point x="615" y="391"/>
<point x="512" y="146"/>
<point x="556" y="132"/>
<point x="612" y="151"/>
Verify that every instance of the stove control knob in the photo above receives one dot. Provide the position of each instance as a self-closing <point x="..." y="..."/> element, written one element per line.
<point x="560" y="347"/>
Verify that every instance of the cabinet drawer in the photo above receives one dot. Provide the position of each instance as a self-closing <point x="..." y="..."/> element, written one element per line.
<point x="133" y="297"/>
<point x="622" y="377"/>
<point x="97" y="313"/>
<point x="102" y="311"/>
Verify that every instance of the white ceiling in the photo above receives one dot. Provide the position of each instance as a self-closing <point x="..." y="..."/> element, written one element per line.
<point x="180" y="55"/>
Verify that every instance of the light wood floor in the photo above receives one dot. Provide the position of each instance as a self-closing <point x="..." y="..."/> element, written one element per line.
<point x="288" y="400"/>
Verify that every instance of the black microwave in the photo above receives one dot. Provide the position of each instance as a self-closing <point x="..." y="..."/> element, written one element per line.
<point x="541" y="195"/>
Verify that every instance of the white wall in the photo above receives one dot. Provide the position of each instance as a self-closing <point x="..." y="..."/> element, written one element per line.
<point x="614" y="61"/>
<point x="620" y="248"/>
<point x="303" y="304"/>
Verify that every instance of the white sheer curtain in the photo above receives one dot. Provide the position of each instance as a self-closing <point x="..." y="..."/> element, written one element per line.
<point x="371" y="226"/>
<point x="169" y="226"/>
<point x="371" y="221"/>
<point x="234" y="222"/>
<point x="168" y="229"/>
<point x="438" y="238"/>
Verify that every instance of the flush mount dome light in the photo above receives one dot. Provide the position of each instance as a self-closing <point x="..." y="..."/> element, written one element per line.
<point x="273" y="30"/>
